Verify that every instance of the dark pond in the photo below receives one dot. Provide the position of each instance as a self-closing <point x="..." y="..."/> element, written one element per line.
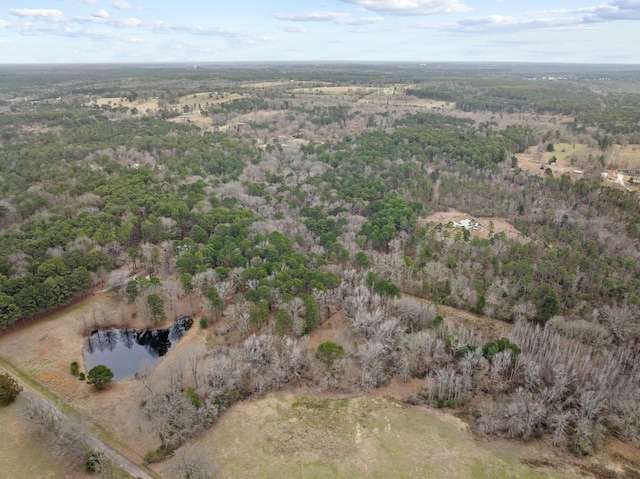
<point x="126" y="351"/>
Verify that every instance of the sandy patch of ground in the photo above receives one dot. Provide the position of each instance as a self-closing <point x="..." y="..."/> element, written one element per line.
<point x="330" y="330"/>
<point x="500" y="225"/>
<point x="193" y="118"/>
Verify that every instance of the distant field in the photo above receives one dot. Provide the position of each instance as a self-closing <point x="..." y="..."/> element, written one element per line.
<point x="291" y="436"/>
<point x="341" y="90"/>
<point x="190" y="100"/>
<point x="626" y="157"/>
<point x="211" y="98"/>
<point x="265" y="84"/>
<point x="380" y="95"/>
<point x="578" y="156"/>
<point x="22" y="455"/>
<point x="563" y="150"/>
<point x="569" y="157"/>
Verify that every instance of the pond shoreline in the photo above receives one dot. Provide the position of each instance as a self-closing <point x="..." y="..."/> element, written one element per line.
<point x="126" y="351"/>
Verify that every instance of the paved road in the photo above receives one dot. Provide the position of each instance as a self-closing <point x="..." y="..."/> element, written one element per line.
<point x="93" y="441"/>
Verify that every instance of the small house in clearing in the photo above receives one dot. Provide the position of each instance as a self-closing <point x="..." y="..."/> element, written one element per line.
<point x="468" y="223"/>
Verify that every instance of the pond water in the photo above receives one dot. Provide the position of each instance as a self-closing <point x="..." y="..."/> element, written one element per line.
<point x="127" y="351"/>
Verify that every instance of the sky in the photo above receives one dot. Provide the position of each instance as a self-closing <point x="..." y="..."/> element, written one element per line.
<point x="115" y="31"/>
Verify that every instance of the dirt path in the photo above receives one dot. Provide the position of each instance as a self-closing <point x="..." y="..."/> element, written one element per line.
<point x="90" y="439"/>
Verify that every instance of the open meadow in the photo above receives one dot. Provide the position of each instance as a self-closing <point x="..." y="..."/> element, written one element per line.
<point x="22" y="455"/>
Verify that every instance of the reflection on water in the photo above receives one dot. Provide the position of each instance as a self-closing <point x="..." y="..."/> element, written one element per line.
<point x="126" y="351"/>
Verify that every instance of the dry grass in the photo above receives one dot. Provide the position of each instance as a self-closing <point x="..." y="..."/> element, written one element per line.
<point x="287" y="435"/>
<point x="500" y="225"/>
<point x="266" y="84"/>
<point x="569" y="157"/>
<point x="337" y="90"/>
<point x="151" y="104"/>
<point x="22" y="455"/>
<point x="44" y="351"/>
<point x="625" y="157"/>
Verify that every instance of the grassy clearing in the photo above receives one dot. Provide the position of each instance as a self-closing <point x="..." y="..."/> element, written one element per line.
<point x="266" y="84"/>
<point x="563" y="150"/>
<point x="338" y="90"/>
<point x="626" y="157"/>
<point x="291" y="436"/>
<point x="22" y="455"/>
<point x="211" y="98"/>
<point x="187" y="100"/>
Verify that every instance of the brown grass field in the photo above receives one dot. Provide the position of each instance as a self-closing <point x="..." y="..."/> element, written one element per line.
<point x="308" y="434"/>
<point x="22" y="455"/>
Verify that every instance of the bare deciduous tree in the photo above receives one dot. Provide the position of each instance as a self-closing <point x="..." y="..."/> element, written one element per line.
<point x="65" y="436"/>
<point x="191" y="463"/>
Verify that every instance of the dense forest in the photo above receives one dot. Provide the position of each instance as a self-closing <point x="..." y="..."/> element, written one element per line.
<point x="276" y="197"/>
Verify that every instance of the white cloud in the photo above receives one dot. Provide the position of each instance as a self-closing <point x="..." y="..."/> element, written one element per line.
<point x="121" y="5"/>
<point x="292" y="28"/>
<point x="240" y="36"/>
<point x="90" y="2"/>
<point x="334" y="17"/>
<point x="102" y="13"/>
<point x="125" y="22"/>
<point x="39" y="29"/>
<point x="53" y="16"/>
<point x="363" y="20"/>
<point x="313" y="16"/>
<point x="4" y="23"/>
<point x="559" y="19"/>
<point x="499" y="23"/>
<point x="130" y="22"/>
<point x="612" y="11"/>
<point x="412" y="7"/>
<point x="88" y="33"/>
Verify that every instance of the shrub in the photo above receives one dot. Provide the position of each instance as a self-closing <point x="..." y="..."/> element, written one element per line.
<point x="283" y="321"/>
<point x="157" y="455"/>
<point x="192" y="395"/>
<point x="492" y="348"/>
<point x="9" y="389"/>
<point x="93" y="461"/>
<point x="99" y="376"/>
<point x="328" y="352"/>
<point x="75" y="368"/>
<point x="437" y="322"/>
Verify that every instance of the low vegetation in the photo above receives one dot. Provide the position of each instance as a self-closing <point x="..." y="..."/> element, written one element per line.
<point x="22" y="453"/>
<point x="9" y="389"/>
<point x="363" y="437"/>
<point x="99" y="376"/>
